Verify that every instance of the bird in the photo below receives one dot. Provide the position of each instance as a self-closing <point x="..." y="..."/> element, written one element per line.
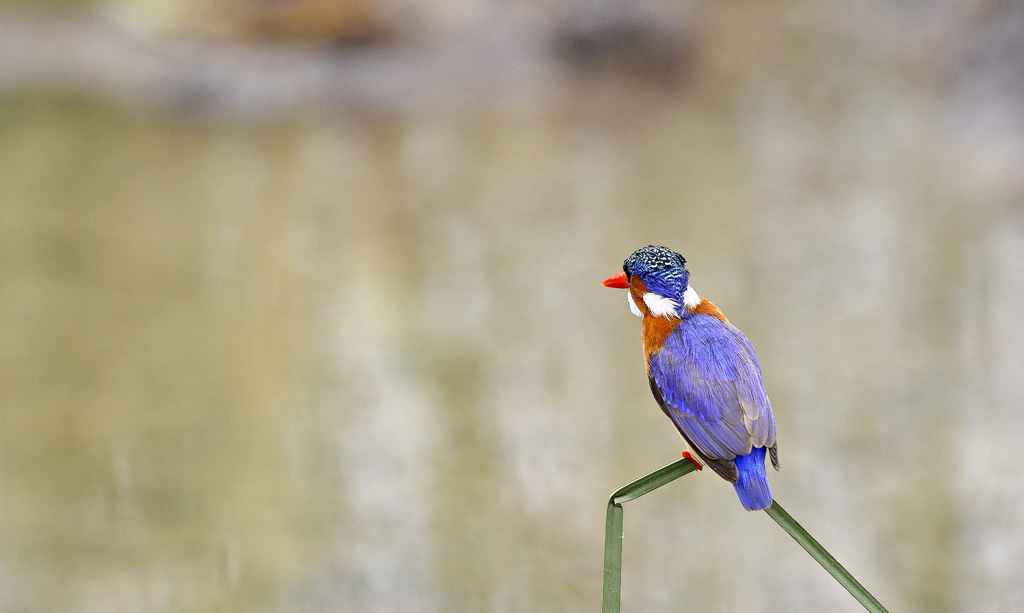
<point x="703" y="373"/>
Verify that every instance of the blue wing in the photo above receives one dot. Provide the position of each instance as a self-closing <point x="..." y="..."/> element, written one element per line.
<point x="706" y="378"/>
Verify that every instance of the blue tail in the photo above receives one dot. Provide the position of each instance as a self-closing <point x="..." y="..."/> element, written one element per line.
<point x="752" y="485"/>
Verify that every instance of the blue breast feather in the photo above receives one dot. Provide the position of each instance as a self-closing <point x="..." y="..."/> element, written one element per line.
<point x="710" y="385"/>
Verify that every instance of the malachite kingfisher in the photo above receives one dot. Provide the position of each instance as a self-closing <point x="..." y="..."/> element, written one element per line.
<point x="703" y="373"/>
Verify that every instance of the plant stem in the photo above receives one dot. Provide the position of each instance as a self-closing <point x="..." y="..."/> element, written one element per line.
<point x="611" y="600"/>
<point x="611" y="596"/>
<point x="823" y="557"/>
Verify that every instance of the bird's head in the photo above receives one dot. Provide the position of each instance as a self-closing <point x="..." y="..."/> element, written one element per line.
<point x="657" y="278"/>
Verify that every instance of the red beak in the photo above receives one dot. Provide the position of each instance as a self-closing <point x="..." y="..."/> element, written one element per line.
<point x="618" y="281"/>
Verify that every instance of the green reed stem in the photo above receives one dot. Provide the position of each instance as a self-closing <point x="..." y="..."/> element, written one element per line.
<point x="824" y="558"/>
<point x="611" y="600"/>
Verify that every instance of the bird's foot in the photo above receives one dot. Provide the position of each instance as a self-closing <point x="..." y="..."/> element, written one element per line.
<point x="686" y="454"/>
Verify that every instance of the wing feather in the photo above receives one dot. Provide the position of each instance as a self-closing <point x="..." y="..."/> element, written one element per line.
<point x="707" y="379"/>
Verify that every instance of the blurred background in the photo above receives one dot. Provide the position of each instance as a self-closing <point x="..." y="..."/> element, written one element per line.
<point x="301" y="304"/>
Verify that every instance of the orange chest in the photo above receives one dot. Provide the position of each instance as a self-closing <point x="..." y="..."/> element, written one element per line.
<point x="654" y="331"/>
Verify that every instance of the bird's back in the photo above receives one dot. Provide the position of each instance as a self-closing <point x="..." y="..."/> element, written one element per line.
<point x="707" y="379"/>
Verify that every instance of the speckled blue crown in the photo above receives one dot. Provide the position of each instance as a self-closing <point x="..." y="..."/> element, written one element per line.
<point x="662" y="270"/>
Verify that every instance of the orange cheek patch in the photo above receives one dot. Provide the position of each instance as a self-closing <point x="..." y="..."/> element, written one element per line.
<point x="637" y="289"/>
<point x="653" y="330"/>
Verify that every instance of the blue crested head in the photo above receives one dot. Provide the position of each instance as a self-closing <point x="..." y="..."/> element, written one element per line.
<point x="662" y="270"/>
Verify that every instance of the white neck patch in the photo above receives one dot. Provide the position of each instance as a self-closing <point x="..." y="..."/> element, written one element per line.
<point x="690" y="298"/>
<point x="661" y="306"/>
<point x="632" y="305"/>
